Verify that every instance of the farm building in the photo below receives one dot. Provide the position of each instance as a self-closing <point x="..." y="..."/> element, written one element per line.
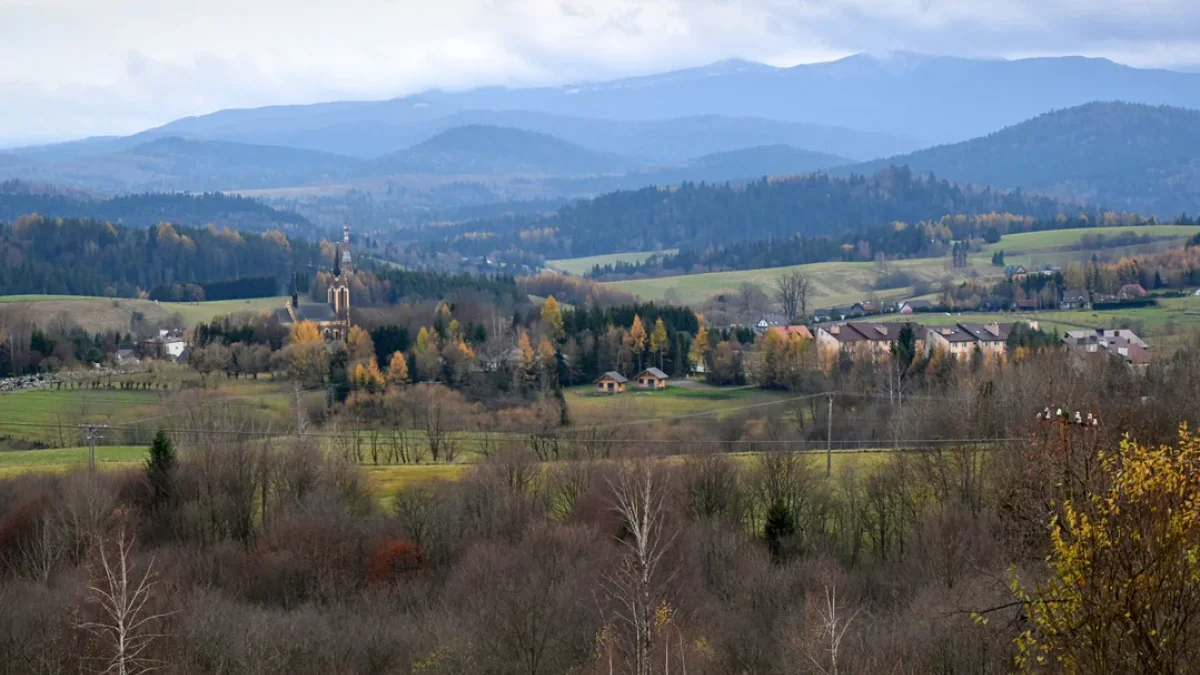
<point x="652" y="378"/>
<point x="611" y="382"/>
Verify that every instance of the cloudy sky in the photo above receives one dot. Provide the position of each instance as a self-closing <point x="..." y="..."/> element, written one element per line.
<point x="71" y="68"/>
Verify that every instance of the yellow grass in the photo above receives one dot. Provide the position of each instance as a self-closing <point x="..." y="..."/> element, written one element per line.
<point x="109" y="314"/>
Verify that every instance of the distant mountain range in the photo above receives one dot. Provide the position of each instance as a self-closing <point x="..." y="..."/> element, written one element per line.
<point x="732" y="120"/>
<point x="468" y="153"/>
<point x="908" y="96"/>
<point x="1125" y="156"/>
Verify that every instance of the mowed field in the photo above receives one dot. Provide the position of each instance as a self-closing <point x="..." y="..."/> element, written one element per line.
<point x="580" y="266"/>
<point x="844" y="283"/>
<point x="50" y="416"/>
<point x="107" y="314"/>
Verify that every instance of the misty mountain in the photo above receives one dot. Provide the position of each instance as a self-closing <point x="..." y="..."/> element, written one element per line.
<point x="481" y="149"/>
<point x="178" y="164"/>
<point x="1125" y="156"/>
<point x="652" y="142"/>
<point x="937" y="99"/>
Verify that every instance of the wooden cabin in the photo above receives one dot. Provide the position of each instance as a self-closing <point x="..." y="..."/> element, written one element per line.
<point x="611" y="382"/>
<point x="652" y="378"/>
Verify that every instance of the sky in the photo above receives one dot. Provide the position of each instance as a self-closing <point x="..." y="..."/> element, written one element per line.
<point x="75" y="68"/>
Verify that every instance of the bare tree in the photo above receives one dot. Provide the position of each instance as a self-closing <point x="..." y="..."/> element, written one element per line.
<point x="791" y="290"/>
<point x="638" y="585"/>
<point x="834" y="626"/>
<point x="126" y="621"/>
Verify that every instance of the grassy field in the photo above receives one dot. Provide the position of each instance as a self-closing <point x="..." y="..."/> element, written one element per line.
<point x="582" y="266"/>
<point x="833" y="283"/>
<point x="105" y="314"/>
<point x="64" y="459"/>
<point x="384" y="481"/>
<point x="26" y="414"/>
<point x="843" y="283"/>
<point x="589" y="407"/>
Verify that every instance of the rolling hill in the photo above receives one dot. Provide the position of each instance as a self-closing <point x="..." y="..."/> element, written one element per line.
<point x="696" y="216"/>
<point x="482" y="149"/>
<point x="144" y="210"/>
<point x="1125" y="156"/>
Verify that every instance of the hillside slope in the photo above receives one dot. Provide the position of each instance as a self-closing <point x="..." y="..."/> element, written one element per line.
<point x="483" y="149"/>
<point x="696" y="216"/>
<point x="1125" y="156"/>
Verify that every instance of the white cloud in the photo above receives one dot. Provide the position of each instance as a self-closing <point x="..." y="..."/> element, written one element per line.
<point x="78" y="67"/>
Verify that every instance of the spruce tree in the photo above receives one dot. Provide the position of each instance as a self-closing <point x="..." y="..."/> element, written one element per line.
<point x="160" y="468"/>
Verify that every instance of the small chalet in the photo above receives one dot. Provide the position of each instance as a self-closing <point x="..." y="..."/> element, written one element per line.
<point x="611" y="382"/>
<point x="768" y="320"/>
<point x="652" y="378"/>
<point x="910" y="306"/>
<point x="1015" y="271"/>
<point x="1131" y="292"/>
<point x="1075" y="299"/>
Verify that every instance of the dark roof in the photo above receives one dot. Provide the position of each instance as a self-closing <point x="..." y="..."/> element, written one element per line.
<point x="315" y="311"/>
<point x="990" y="332"/>
<point x="281" y="314"/>
<point x="861" y="331"/>
<point x="772" y="319"/>
<point x="613" y="375"/>
<point x="654" y="372"/>
<point x="919" y="304"/>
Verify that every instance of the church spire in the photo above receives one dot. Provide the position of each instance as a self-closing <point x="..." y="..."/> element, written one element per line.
<point x="345" y="256"/>
<point x="337" y="262"/>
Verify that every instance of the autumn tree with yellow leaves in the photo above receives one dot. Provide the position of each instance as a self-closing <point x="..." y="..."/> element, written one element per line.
<point x="700" y="350"/>
<point x="398" y="369"/>
<point x="659" y="342"/>
<point x="1123" y="590"/>
<point x="552" y="319"/>
<point x="637" y="339"/>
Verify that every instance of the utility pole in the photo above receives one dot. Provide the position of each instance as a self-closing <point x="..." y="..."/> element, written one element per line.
<point x="829" y="440"/>
<point x="92" y="433"/>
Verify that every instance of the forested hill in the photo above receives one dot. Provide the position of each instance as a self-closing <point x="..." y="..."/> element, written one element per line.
<point x="88" y="257"/>
<point x="143" y="210"/>
<point x="695" y="216"/>
<point x="1128" y="156"/>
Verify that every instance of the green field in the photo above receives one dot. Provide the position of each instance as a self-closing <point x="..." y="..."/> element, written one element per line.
<point x="1032" y="242"/>
<point x="581" y="266"/>
<point x="588" y="407"/>
<point x="49" y="416"/>
<point x="106" y="314"/>
<point x="844" y="283"/>
<point x="833" y="283"/>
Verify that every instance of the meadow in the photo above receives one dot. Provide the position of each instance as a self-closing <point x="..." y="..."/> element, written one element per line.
<point x="581" y="266"/>
<point x="109" y="314"/>
<point x="844" y="283"/>
<point x="49" y="416"/>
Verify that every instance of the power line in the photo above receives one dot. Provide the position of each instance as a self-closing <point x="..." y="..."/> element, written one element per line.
<point x="569" y="439"/>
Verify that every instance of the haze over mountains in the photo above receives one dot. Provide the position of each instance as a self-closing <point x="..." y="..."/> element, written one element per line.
<point x="728" y="121"/>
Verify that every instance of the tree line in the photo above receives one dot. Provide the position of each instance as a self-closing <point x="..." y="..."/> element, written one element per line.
<point x="696" y="216"/>
<point x="76" y="256"/>
<point x="18" y="198"/>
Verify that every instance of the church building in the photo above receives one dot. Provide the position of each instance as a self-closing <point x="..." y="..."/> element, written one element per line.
<point x="333" y="316"/>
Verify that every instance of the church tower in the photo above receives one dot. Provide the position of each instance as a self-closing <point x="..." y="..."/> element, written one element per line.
<point x="339" y="290"/>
